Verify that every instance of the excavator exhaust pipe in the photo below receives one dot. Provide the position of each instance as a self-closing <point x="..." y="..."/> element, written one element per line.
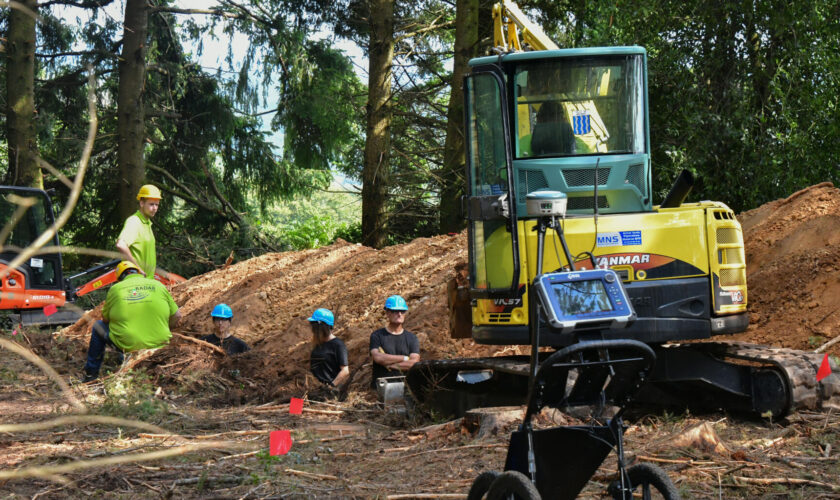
<point x="679" y="190"/>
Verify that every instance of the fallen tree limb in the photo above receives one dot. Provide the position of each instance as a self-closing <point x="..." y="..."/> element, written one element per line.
<point x="828" y="344"/>
<point x="79" y="419"/>
<point x="209" y="479"/>
<point x="689" y="461"/>
<point x="441" y="450"/>
<point x="425" y="496"/>
<point x="785" y="480"/>
<point x="205" y="436"/>
<point x="311" y="475"/>
<point x="200" y="342"/>
<point x="53" y="472"/>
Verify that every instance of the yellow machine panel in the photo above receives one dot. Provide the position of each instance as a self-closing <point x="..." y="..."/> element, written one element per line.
<point x="693" y="240"/>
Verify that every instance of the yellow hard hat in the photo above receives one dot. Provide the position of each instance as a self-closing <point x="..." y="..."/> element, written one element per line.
<point x="124" y="266"/>
<point x="149" y="191"/>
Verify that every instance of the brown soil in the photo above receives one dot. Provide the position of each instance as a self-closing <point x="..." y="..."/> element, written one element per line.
<point x="793" y="269"/>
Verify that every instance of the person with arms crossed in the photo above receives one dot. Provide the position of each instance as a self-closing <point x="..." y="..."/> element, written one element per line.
<point x="393" y="348"/>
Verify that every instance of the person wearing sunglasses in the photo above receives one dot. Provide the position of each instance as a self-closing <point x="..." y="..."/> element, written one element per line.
<point x="393" y="348"/>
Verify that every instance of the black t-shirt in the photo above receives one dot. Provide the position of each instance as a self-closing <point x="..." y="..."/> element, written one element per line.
<point x="231" y="345"/>
<point x="327" y="359"/>
<point x="403" y="344"/>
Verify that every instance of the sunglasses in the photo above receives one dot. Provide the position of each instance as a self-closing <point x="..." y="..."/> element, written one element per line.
<point x="391" y="311"/>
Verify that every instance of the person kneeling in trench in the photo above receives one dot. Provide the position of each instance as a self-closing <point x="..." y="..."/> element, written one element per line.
<point x="328" y="360"/>
<point x="138" y="314"/>
<point x="222" y="316"/>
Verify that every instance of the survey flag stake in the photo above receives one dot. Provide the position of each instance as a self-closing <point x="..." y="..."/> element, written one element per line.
<point x="50" y="309"/>
<point x="279" y="442"/>
<point x="296" y="406"/>
<point x="825" y="368"/>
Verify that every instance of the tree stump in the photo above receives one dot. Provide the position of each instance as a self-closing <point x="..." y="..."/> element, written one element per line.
<point x="490" y="421"/>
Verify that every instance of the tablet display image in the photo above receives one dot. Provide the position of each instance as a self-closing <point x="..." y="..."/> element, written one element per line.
<point x="582" y="297"/>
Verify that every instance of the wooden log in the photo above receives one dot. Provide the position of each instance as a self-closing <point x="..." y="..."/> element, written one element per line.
<point x="438" y="430"/>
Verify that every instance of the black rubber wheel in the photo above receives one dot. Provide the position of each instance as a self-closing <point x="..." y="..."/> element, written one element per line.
<point x="513" y="485"/>
<point x="650" y="480"/>
<point x="481" y="485"/>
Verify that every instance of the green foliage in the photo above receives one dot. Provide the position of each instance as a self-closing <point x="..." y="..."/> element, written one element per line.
<point x="7" y="375"/>
<point x="815" y="341"/>
<point x="132" y="395"/>
<point x="742" y="94"/>
<point x="315" y="221"/>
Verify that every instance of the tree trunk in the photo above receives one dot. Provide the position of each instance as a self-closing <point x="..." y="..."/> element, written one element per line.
<point x="454" y="164"/>
<point x="378" y="142"/>
<point x="20" y="98"/>
<point x="130" y="116"/>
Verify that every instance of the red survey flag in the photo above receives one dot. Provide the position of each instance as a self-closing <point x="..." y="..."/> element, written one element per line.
<point x="825" y="369"/>
<point x="296" y="406"/>
<point x="50" y="309"/>
<point x="279" y="442"/>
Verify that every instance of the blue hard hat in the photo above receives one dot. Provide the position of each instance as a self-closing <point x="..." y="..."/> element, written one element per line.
<point x="396" y="303"/>
<point x="324" y="316"/>
<point x="222" y="311"/>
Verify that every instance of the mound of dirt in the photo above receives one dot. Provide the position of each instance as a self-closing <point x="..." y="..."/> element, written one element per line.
<point x="793" y="269"/>
<point x="272" y="295"/>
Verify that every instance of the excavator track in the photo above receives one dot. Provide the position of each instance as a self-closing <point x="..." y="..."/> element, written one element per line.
<point x="734" y="376"/>
<point x="798" y="367"/>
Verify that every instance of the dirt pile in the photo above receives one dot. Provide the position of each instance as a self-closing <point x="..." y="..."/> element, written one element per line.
<point x="272" y="295"/>
<point x="793" y="269"/>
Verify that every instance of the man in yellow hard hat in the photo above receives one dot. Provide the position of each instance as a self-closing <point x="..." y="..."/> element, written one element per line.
<point x="138" y="314"/>
<point x="136" y="240"/>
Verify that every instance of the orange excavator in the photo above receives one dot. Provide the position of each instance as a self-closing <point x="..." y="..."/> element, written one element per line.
<point x="37" y="292"/>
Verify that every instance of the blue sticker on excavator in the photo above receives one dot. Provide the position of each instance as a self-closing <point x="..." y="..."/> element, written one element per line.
<point x="581" y="124"/>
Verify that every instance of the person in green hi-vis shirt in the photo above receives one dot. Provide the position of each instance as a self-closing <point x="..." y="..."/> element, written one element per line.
<point x="139" y="313"/>
<point x="136" y="240"/>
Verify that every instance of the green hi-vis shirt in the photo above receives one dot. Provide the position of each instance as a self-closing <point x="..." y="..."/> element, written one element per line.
<point x="137" y="234"/>
<point x="137" y="310"/>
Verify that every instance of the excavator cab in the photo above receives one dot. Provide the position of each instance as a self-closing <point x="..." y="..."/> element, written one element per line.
<point x="29" y="213"/>
<point x="38" y="282"/>
<point x="572" y="120"/>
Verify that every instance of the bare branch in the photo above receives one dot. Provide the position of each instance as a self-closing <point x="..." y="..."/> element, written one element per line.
<point x="209" y="12"/>
<point x="89" y="4"/>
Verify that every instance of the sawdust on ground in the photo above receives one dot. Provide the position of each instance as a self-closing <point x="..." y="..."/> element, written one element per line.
<point x="793" y="265"/>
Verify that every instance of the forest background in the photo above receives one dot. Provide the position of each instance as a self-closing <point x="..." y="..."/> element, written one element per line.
<point x="742" y="93"/>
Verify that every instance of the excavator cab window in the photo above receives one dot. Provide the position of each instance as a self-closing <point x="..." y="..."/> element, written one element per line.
<point x="494" y="259"/>
<point x="26" y="214"/>
<point x="579" y="105"/>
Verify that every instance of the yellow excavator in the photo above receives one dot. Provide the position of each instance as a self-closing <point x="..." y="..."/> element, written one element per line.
<point x="540" y="119"/>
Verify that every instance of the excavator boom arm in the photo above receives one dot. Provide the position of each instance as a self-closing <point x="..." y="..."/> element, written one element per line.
<point x="509" y="23"/>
